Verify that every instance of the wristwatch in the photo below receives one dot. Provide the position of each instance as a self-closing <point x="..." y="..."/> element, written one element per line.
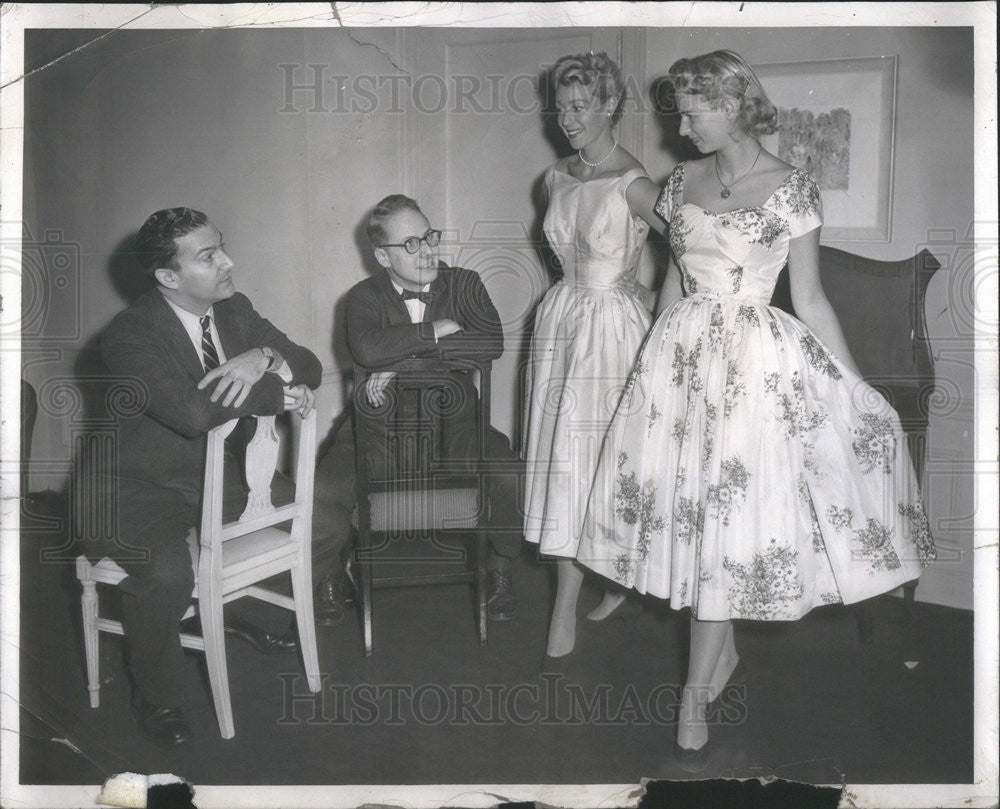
<point x="271" y="356"/>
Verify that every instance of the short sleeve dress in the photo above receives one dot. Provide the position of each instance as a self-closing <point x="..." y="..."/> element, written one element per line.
<point x="752" y="474"/>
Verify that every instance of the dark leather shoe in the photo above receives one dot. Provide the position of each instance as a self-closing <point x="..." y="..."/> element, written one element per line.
<point x="263" y="641"/>
<point x="328" y="600"/>
<point x="500" y="602"/>
<point x="161" y="725"/>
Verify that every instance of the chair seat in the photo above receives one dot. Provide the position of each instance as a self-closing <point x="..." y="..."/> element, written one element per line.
<point x="424" y="509"/>
<point x="268" y="547"/>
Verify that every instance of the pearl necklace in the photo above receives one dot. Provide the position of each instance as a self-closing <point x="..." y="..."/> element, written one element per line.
<point x="595" y="165"/>
<point x="725" y="192"/>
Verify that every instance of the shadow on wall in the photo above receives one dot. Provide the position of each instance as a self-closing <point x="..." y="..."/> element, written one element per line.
<point x="125" y="271"/>
<point x="338" y="337"/>
<point x="661" y="99"/>
<point x="86" y="405"/>
<point x="554" y="135"/>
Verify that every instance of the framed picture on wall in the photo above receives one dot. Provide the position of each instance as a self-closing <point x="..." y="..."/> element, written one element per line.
<point x="836" y="120"/>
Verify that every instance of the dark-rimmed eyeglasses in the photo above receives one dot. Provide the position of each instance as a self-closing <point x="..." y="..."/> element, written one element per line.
<point x="412" y="245"/>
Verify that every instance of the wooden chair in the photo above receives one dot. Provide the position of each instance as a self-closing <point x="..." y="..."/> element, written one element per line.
<point x="427" y="498"/>
<point x="29" y="412"/>
<point x="880" y="305"/>
<point x="231" y="559"/>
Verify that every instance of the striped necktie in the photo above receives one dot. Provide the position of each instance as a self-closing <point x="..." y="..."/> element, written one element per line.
<point x="209" y="355"/>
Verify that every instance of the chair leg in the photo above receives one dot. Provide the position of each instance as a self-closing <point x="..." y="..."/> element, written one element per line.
<point x="210" y="611"/>
<point x="365" y="570"/>
<point x="90" y="641"/>
<point x="306" y="622"/>
<point x="481" y="585"/>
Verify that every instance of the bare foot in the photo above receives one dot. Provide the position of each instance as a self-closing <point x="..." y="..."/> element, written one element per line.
<point x="608" y="605"/>
<point x="562" y="637"/>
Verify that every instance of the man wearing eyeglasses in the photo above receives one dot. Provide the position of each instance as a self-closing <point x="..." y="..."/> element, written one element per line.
<point x="421" y="308"/>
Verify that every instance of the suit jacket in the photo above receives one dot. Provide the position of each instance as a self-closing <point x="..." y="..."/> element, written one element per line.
<point x="379" y="331"/>
<point x="164" y="444"/>
<point x="381" y="336"/>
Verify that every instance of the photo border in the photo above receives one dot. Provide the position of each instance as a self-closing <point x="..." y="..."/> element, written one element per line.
<point x="15" y="18"/>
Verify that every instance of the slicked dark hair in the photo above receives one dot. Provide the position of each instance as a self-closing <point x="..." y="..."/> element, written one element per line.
<point x="392" y="204"/>
<point x="156" y="244"/>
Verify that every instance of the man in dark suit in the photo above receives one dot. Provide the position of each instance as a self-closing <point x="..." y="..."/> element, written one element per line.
<point x="199" y="355"/>
<point x="421" y="308"/>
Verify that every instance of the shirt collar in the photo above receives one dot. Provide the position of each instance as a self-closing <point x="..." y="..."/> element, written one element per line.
<point x="189" y="320"/>
<point x="399" y="289"/>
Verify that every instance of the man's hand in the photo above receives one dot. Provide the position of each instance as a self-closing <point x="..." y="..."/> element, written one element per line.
<point x="375" y="386"/>
<point x="300" y="399"/>
<point x="236" y="377"/>
<point x="444" y="327"/>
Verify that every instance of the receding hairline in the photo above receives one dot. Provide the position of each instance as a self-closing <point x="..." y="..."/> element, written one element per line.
<point x="384" y="209"/>
<point x="391" y="217"/>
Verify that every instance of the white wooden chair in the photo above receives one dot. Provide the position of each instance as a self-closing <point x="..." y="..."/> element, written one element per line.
<point x="231" y="559"/>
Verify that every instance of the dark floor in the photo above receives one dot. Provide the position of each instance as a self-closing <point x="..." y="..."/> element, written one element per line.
<point x="431" y="706"/>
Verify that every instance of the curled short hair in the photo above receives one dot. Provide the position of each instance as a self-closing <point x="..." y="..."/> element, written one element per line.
<point x="380" y="214"/>
<point x="596" y="71"/>
<point x="722" y="75"/>
<point x="156" y="243"/>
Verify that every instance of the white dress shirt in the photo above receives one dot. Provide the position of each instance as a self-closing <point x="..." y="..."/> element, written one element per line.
<point x="414" y="306"/>
<point x="192" y="325"/>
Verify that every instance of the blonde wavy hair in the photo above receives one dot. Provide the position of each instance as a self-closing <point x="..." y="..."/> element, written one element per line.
<point x="596" y="71"/>
<point x="722" y="75"/>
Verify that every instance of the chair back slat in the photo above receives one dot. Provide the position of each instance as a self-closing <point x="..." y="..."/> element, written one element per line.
<point x="211" y="513"/>
<point x="305" y="465"/>
<point x="261" y="460"/>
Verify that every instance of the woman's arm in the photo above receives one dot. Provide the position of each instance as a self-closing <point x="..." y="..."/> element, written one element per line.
<point x="671" y="290"/>
<point x="641" y="196"/>
<point x="810" y="302"/>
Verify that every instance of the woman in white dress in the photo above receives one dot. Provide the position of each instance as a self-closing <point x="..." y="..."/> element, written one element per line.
<point x="589" y="325"/>
<point x="755" y="475"/>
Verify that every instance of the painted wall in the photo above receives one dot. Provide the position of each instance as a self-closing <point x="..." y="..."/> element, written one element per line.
<point x="155" y="119"/>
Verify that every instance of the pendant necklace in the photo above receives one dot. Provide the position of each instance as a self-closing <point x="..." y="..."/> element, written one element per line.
<point x="725" y="192"/>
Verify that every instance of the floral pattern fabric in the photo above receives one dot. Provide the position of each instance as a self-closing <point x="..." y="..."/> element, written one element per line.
<point x="751" y="473"/>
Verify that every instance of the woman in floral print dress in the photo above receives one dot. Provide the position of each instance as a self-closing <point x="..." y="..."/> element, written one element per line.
<point x="755" y="475"/>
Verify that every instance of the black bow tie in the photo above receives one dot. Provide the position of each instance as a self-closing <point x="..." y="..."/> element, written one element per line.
<point x="423" y="297"/>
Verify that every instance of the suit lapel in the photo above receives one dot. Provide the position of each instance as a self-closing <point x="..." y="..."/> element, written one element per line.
<point x="178" y="342"/>
<point x="395" y="309"/>
<point x="230" y="333"/>
<point x="438" y="308"/>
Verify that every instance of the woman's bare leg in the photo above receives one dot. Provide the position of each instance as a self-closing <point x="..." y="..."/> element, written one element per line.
<point x="612" y="599"/>
<point x="562" y="629"/>
<point x="728" y="658"/>
<point x="708" y="639"/>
